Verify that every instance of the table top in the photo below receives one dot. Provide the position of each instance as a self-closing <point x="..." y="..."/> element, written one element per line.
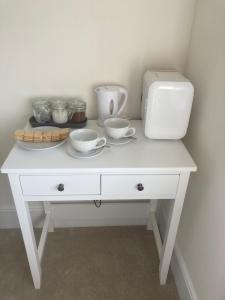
<point x="141" y="156"/>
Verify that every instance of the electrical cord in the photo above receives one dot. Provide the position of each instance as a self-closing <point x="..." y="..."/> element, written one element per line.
<point x="98" y="203"/>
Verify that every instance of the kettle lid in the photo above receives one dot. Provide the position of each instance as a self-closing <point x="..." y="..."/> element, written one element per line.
<point x="107" y="88"/>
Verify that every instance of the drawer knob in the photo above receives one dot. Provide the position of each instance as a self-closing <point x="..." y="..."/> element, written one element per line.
<point x="60" y="187"/>
<point x="140" y="187"/>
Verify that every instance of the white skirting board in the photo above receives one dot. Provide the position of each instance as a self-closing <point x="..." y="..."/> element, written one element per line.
<point x="180" y="272"/>
<point x="81" y="215"/>
<point x="8" y="216"/>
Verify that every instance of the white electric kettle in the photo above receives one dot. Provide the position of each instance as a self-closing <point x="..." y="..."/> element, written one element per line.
<point x="110" y="102"/>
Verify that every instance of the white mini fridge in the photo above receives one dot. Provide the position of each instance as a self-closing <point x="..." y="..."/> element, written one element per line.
<point x="166" y="104"/>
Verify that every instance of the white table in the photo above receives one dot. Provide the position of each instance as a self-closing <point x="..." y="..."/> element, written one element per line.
<point x="145" y="169"/>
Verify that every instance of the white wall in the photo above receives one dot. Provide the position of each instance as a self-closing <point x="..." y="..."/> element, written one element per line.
<point x="55" y="47"/>
<point x="201" y="235"/>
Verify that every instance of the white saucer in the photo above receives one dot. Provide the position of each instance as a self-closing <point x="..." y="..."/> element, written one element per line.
<point x="118" y="142"/>
<point x="80" y="155"/>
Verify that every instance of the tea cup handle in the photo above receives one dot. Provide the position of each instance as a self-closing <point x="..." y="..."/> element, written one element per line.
<point x="131" y="131"/>
<point x="101" y="143"/>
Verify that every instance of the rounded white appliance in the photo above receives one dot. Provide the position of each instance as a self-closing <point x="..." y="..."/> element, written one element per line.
<point x="166" y="104"/>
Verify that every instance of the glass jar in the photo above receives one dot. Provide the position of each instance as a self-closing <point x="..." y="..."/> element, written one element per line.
<point x="60" y="113"/>
<point x="41" y="110"/>
<point x="77" y="108"/>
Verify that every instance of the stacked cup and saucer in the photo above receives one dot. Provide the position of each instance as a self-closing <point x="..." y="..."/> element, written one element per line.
<point x="85" y="143"/>
<point x="118" y="131"/>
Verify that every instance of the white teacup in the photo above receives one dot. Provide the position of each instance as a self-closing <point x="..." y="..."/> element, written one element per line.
<point x="85" y="140"/>
<point x="118" y="128"/>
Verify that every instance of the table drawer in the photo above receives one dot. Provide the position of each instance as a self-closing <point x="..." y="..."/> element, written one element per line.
<point x="60" y="185"/>
<point x="162" y="186"/>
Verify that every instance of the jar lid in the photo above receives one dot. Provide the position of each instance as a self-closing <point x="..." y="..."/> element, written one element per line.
<point x="77" y="104"/>
<point x="59" y="104"/>
<point x="79" y="109"/>
<point x="40" y="102"/>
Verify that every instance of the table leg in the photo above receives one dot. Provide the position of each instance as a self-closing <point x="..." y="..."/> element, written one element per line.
<point x="48" y="209"/>
<point x="26" y="226"/>
<point x="152" y="207"/>
<point x="172" y="227"/>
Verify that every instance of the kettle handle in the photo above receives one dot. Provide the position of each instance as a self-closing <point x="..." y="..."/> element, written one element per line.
<point x="124" y="92"/>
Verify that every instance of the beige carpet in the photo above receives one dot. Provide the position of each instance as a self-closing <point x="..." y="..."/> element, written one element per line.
<point x="113" y="263"/>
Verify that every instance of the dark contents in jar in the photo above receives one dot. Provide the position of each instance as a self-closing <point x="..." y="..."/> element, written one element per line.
<point x="78" y="117"/>
<point x="77" y="107"/>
